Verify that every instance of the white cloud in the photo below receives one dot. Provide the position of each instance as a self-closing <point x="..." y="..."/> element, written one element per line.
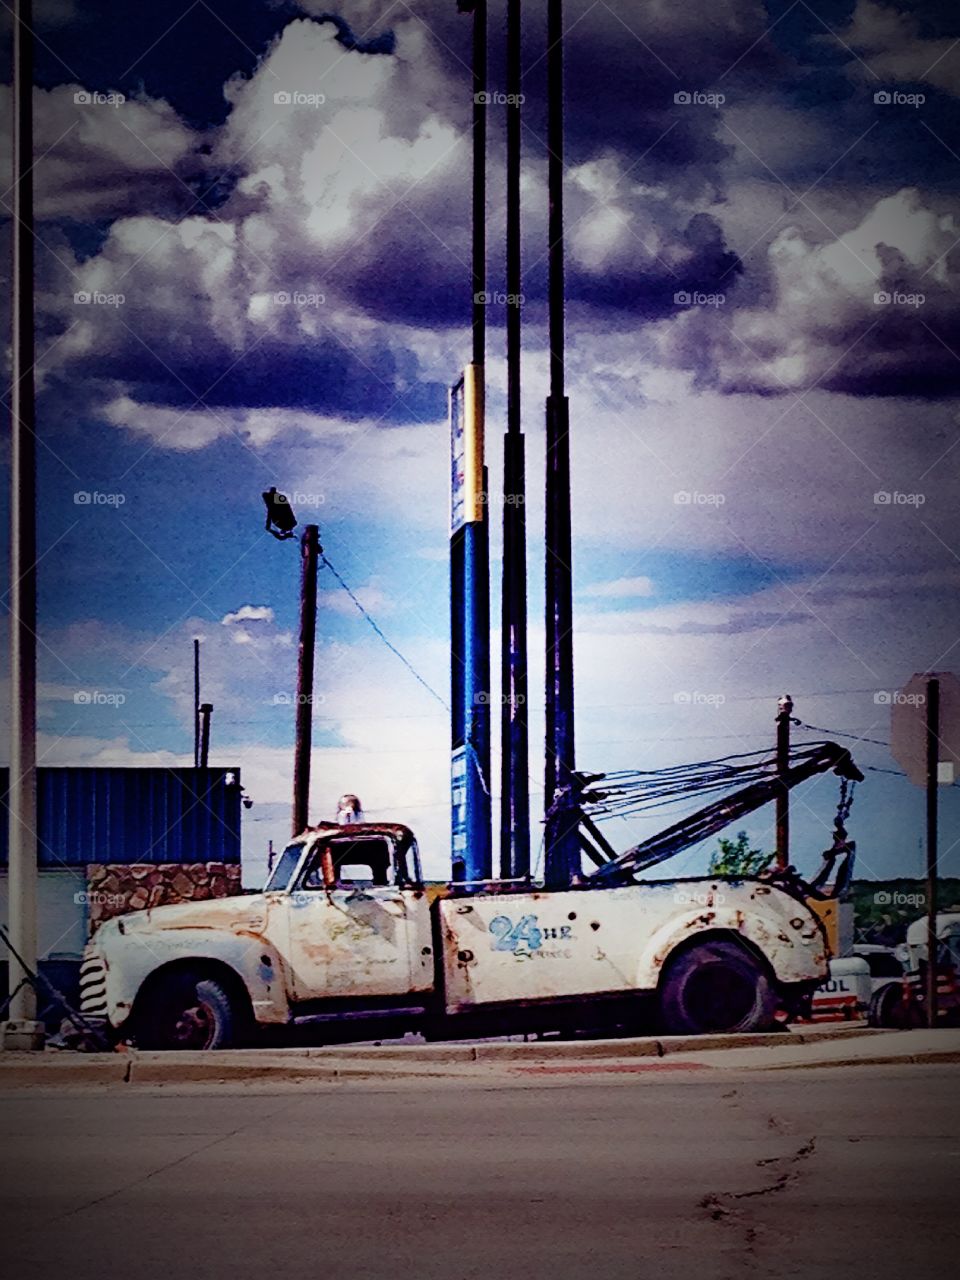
<point x="853" y="314"/>
<point x="893" y="46"/>
<point x="248" y="613"/>
<point x="97" y="160"/>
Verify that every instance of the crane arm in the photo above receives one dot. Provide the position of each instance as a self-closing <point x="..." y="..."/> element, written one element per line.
<point x="708" y="821"/>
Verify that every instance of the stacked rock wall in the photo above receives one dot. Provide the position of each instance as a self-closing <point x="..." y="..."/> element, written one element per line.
<point x="113" y="889"/>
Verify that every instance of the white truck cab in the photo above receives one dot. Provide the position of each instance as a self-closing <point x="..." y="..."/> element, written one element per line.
<point x="345" y="929"/>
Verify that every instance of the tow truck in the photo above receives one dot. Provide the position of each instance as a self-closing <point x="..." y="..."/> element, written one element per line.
<point x="347" y="935"/>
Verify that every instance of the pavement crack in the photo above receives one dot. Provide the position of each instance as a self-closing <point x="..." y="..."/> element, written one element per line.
<point x="729" y="1207"/>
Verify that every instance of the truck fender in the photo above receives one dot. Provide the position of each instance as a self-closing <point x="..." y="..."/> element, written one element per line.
<point x="793" y="954"/>
<point x="256" y="964"/>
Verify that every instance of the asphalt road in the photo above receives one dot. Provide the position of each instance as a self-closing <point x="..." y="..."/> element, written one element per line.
<point x="662" y="1173"/>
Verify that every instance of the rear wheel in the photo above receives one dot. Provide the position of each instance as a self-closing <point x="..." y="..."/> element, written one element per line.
<point x="716" y="987"/>
<point x="186" y="1011"/>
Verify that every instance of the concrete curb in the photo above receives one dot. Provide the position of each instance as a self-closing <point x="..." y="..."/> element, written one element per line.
<point x="57" y="1069"/>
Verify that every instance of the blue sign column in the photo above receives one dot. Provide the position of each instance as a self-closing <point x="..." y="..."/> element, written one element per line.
<point x="472" y="856"/>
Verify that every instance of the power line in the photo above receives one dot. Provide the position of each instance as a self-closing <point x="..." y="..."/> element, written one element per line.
<point x="838" y="733"/>
<point x="377" y="631"/>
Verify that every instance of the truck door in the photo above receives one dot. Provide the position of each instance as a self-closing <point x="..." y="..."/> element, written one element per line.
<point x="352" y="939"/>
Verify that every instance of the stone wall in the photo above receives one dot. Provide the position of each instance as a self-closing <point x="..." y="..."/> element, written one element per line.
<point x="113" y="889"/>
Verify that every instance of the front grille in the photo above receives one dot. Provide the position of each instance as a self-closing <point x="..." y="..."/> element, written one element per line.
<point x="93" y="987"/>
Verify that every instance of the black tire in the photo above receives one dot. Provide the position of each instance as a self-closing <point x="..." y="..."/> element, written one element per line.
<point x="716" y="987"/>
<point x="187" y="1011"/>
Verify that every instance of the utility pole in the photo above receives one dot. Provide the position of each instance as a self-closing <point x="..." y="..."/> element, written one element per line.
<point x="784" y="713"/>
<point x="562" y="854"/>
<point x="310" y="559"/>
<point x="196" y="702"/>
<point x="933" y="759"/>
<point x="22" y="1031"/>
<point x="514" y="731"/>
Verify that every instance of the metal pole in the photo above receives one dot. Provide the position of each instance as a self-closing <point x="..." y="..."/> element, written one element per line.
<point x="310" y="557"/>
<point x="514" y="733"/>
<point x="480" y="108"/>
<point x="22" y="797"/>
<point x="206" y="710"/>
<point x="933" y="758"/>
<point x="562" y="840"/>
<point x="784" y="712"/>
<point x="196" y="703"/>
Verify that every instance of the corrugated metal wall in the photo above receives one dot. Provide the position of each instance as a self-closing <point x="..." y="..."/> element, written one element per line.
<point x="133" y="815"/>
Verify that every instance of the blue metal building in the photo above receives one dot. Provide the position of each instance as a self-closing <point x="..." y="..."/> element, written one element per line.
<point x="134" y="815"/>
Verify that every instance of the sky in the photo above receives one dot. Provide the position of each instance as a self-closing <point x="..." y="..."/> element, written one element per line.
<point x="253" y="270"/>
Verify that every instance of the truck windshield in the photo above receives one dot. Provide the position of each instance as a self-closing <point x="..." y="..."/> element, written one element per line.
<point x="283" y="872"/>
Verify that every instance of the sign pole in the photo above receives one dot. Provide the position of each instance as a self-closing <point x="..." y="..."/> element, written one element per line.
<point x="933" y="758"/>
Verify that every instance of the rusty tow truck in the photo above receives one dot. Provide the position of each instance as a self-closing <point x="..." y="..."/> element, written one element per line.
<point x="347" y="936"/>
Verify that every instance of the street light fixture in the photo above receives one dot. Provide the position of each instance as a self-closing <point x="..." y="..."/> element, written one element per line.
<point x="281" y="521"/>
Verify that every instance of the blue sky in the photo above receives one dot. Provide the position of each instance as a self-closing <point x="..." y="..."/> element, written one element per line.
<point x="763" y="337"/>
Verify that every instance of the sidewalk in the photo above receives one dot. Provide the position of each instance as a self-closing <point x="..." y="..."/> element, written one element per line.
<point x="799" y="1049"/>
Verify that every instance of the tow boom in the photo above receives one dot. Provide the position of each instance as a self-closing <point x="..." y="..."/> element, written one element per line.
<point x="714" y="817"/>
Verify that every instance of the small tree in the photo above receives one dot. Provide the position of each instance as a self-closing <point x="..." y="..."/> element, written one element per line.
<point x="735" y="858"/>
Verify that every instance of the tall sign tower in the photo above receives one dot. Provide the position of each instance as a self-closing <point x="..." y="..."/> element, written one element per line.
<point x="470" y="633"/>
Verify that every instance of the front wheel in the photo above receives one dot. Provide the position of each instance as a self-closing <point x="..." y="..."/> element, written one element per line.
<point x="716" y="987"/>
<point x="185" y="1011"/>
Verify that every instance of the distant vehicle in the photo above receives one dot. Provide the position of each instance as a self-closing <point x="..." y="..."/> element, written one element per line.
<point x="855" y="982"/>
<point x="903" y="1004"/>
